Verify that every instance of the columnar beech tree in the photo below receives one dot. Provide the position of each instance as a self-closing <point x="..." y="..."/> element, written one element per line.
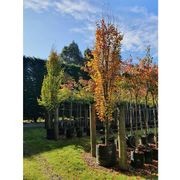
<point x="104" y="70"/>
<point x="51" y="87"/>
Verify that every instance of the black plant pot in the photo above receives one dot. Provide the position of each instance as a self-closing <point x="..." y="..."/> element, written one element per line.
<point x="144" y="140"/>
<point x="150" y="138"/>
<point x="61" y="131"/>
<point x="130" y="140"/>
<point x="69" y="133"/>
<point x="50" y="134"/>
<point x="155" y="154"/>
<point x="84" y="129"/>
<point x="148" y="156"/>
<point x="88" y="131"/>
<point x="137" y="159"/>
<point x="106" y="155"/>
<point x="79" y="132"/>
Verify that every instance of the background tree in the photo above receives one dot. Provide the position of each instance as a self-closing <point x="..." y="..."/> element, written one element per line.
<point x="33" y="73"/>
<point x="71" y="54"/>
<point x="149" y="73"/>
<point x="145" y="65"/>
<point x="134" y="80"/>
<point x="88" y="54"/>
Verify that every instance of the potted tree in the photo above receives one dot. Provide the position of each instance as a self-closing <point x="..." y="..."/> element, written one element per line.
<point x="103" y="68"/>
<point x="50" y="91"/>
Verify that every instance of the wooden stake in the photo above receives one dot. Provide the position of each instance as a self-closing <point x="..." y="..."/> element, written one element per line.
<point x="92" y="130"/>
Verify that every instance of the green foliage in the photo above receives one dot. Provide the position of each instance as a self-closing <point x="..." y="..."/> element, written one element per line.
<point x="71" y="54"/>
<point x="64" y="94"/>
<point x="33" y="73"/>
<point x="88" y="54"/>
<point x="75" y="71"/>
<point x="82" y="95"/>
<point x="51" y="83"/>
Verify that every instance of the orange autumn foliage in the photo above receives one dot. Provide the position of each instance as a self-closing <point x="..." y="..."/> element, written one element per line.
<point x="104" y="67"/>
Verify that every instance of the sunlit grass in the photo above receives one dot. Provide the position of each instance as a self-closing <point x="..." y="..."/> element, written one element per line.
<point x="45" y="159"/>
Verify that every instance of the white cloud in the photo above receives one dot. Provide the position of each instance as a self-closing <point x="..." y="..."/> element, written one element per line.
<point x="138" y="10"/>
<point x="79" y="9"/>
<point x="37" y="5"/>
<point x="139" y="32"/>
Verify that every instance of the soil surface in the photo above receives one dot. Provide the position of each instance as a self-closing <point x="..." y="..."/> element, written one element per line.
<point x="148" y="170"/>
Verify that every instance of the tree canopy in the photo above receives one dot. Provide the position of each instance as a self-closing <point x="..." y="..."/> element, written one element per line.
<point x="51" y="84"/>
<point x="71" y="54"/>
<point x="104" y="67"/>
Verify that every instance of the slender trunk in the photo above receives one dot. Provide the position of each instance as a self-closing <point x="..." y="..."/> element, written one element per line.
<point x="63" y="112"/>
<point x="136" y="134"/>
<point x="146" y="115"/>
<point x="122" y="139"/>
<point x="71" y="110"/>
<point x="140" y="118"/>
<point x="56" y="120"/>
<point x="131" y="123"/>
<point x="86" y="116"/>
<point x="106" y="131"/>
<point x="154" y="118"/>
<point x="80" y="116"/>
<point x="49" y="120"/>
<point x="127" y="122"/>
<point x="78" y="121"/>
<point x="136" y="115"/>
<point x="92" y="129"/>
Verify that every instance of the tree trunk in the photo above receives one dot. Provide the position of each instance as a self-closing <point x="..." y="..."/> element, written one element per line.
<point x="63" y="112"/>
<point x="136" y="116"/>
<point x="155" y="127"/>
<point x="146" y="116"/>
<point x="140" y="118"/>
<point x="80" y="115"/>
<point x="122" y="139"/>
<point x="131" y="123"/>
<point x="154" y="118"/>
<point x="106" y="131"/>
<point x="86" y="116"/>
<point x="92" y="129"/>
<point x="49" y="120"/>
<point x="71" y="107"/>
<point x="136" y="132"/>
<point x="56" y="120"/>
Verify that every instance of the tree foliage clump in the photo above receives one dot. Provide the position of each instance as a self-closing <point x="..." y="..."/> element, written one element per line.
<point x="51" y="83"/>
<point x="71" y="54"/>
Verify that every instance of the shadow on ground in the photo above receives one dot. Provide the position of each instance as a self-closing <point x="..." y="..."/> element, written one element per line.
<point x="35" y="142"/>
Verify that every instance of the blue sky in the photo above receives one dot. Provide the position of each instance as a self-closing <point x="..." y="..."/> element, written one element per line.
<point x="57" y="23"/>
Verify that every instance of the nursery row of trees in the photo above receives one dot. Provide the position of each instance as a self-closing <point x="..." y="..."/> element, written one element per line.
<point x="112" y="83"/>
